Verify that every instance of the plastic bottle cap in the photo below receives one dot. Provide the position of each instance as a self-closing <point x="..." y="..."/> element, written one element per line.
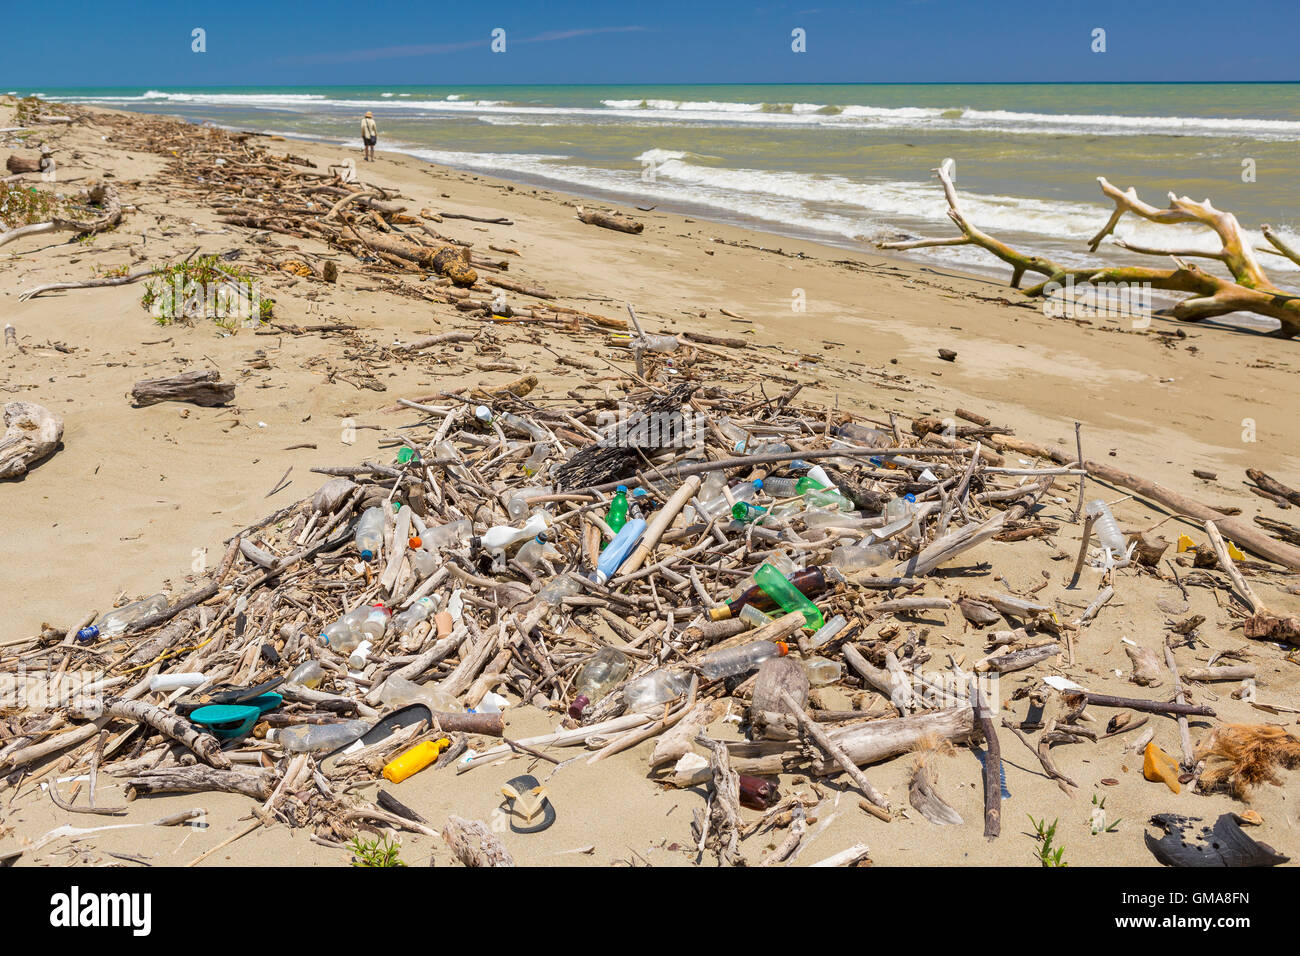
<point x="483" y="413"/>
<point x="639" y="493"/>
<point x="910" y="497"/>
<point x="367" y="555"/>
<point x="782" y="648"/>
<point x="415" y="543"/>
<point x="758" y="483"/>
<point x="621" y="490"/>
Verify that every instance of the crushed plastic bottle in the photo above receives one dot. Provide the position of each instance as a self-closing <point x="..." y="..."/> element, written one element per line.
<point x="822" y="671"/>
<point x="859" y="557"/>
<point x="114" y="622"/>
<point x="556" y="590"/>
<point x="828" y="631"/>
<point x="404" y="621"/>
<point x="307" y="674"/>
<point x="317" y="738"/>
<point x="648" y="694"/>
<point x="399" y="692"/>
<point x="601" y="674"/>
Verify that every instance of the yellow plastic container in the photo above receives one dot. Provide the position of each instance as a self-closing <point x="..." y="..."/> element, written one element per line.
<point x="414" y="760"/>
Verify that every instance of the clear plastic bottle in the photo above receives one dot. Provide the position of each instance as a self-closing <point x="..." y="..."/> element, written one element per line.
<point x="734" y="434"/>
<point x="445" y="536"/>
<point x="517" y="505"/>
<point x="822" y="671"/>
<point x="535" y="462"/>
<point x="858" y="557"/>
<point x="826" y="499"/>
<point x="317" y="738"/>
<point x="648" y="694"/>
<point x="718" y="505"/>
<point x="826" y="633"/>
<point x="342" y="636"/>
<point x="865" y="436"/>
<point x="741" y="659"/>
<point x="602" y="673"/>
<point x="398" y="692"/>
<point x="556" y="590"/>
<point x="531" y="555"/>
<point x="790" y="487"/>
<point x="1106" y="528"/>
<point x="114" y="622"/>
<point x="372" y="625"/>
<point x="404" y="621"/>
<point x="307" y="674"/>
<point x="447" y="451"/>
<point x="753" y="617"/>
<point x="898" y="508"/>
<point x="369" y="535"/>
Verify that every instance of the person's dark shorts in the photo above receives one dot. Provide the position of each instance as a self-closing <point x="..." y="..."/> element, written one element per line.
<point x="369" y="140"/>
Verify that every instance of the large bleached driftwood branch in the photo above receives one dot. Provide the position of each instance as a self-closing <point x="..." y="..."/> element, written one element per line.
<point x="1248" y="290"/>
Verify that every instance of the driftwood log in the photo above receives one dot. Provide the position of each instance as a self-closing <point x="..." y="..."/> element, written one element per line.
<point x="200" y="387"/>
<point x="32" y="432"/>
<point x="197" y="779"/>
<point x="473" y="844"/>
<point x="100" y="198"/>
<point x="610" y="221"/>
<point x="1248" y="290"/>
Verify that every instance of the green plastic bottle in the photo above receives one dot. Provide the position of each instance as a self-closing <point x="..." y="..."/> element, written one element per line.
<point x="616" y="517"/>
<point x="744" y="512"/>
<point x="778" y="587"/>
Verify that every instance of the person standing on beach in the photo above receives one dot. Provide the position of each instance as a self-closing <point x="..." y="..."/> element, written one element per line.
<point x="369" y="135"/>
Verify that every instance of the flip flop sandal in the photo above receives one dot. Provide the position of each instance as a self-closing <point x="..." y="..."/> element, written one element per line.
<point x="226" y="721"/>
<point x="530" y="808"/>
<point x="387" y="725"/>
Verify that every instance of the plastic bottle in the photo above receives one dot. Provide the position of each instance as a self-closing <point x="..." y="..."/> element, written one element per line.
<point x="399" y="692"/>
<point x="369" y="535"/>
<point x="718" y="505"/>
<point x="860" y="556"/>
<point x="414" y="760"/>
<point x="741" y="659"/>
<point x="747" y="513"/>
<point x="1106" y="528"/>
<point x="341" y="636"/>
<point x="827" y="498"/>
<point x="307" y="674"/>
<point x="826" y="633"/>
<point x="810" y="581"/>
<point x="734" y="433"/>
<point x="534" y="552"/>
<point x="898" y="508"/>
<point x="648" y="694"/>
<point x="445" y="536"/>
<point x="791" y="487"/>
<point x="360" y="656"/>
<point x="618" y="550"/>
<point x="818" y="474"/>
<point x="535" y="462"/>
<point x="114" y="622"/>
<point x="779" y="588"/>
<point x="864" y="436"/>
<point x="560" y="587"/>
<point x="616" y="516"/>
<point x="404" y="621"/>
<point x="447" y="451"/>
<point x="821" y="671"/>
<point x="496" y="540"/>
<point x="517" y="505"/>
<point x="317" y="738"/>
<point x="374" y="622"/>
<point x="602" y="673"/>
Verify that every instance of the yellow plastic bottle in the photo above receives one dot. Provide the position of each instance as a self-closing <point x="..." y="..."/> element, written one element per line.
<point x="414" y="760"/>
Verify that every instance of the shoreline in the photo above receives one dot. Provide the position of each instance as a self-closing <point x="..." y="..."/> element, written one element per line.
<point x="135" y="494"/>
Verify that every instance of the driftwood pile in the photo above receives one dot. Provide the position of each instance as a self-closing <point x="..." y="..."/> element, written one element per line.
<point x="506" y="627"/>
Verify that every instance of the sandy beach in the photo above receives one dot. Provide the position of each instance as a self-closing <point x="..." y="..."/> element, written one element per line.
<point x="142" y="499"/>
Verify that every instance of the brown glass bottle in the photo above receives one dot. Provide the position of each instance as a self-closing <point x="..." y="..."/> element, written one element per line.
<point x="809" y="581"/>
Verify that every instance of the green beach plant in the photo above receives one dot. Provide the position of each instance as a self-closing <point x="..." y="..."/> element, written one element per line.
<point x="375" y="853"/>
<point x="203" y="287"/>
<point x="1045" y="834"/>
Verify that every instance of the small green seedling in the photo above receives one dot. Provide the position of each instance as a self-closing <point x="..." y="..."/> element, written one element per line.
<point x="375" y="852"/>
<point x="1048" y="855"/>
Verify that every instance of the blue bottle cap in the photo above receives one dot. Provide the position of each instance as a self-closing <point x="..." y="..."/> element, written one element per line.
<point x="639" y="493"/>
<point x="367" y="555"/>
<point x="621" y="490"/>
<point x="758" y="483"/>
<point x="910" y="497"/>
<point x="88" y="634"/>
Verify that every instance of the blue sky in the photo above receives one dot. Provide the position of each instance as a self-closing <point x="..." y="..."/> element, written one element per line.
<point x="148" y="42"/>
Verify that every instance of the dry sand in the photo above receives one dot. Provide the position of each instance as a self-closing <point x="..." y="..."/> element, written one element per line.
<point x="137" y="496"/>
